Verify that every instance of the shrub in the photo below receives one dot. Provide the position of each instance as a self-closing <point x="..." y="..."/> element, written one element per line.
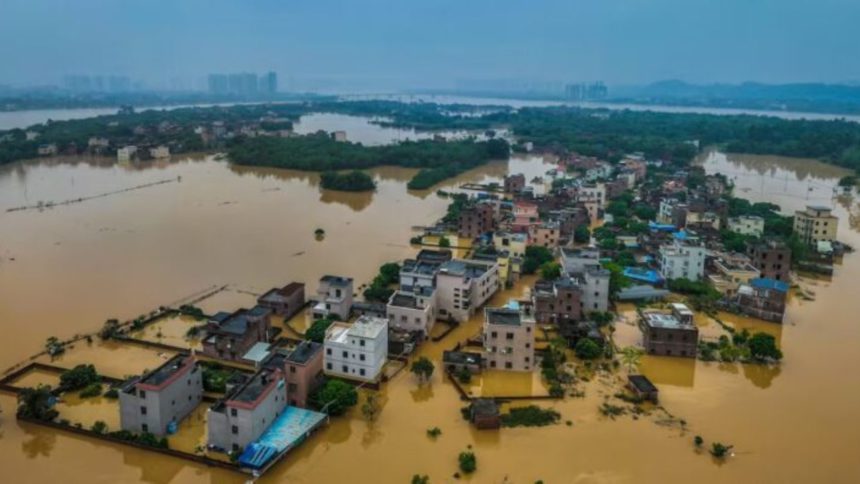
<point x="720" y="450"/>
<point x="468" y="462"/>
<point x="530" y="416"/>
<point x="422" y="368"/>
<point x="434" y="432"/>
<point x="587" y="349"/>
<point x="92" y="390"/>
<point x="99" y="427"/>
<point x="316" y="332"/>
<point x="79" y="377"/>
<point x="335" y="397"/>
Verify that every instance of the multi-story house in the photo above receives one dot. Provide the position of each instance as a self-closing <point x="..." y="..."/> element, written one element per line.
<point x="515" y="183"/>
<point x="476" y="220"/>
<point x="546" y="234"/>
<point x="512" y="243"/>
<point x="763" y="299"/>
<point x="230" y="336"/>
<point x="462" y="286"/>
<point x="772" y="258"/>
<point x="666" y="335"/>
<point x="815" y="224"/>
<point x="525" y="215"/>
<point x="285" y="301"/>
<point x="248" y="410"/>
<point x="334" y="297"/>
<point x="157" y="401"/>
<point x="413" y="311"/>
<point x="357" y="351"/>
<point x="557" y="301"/>
<point x="594" y="283"/>
<point x="747" y="225"/>
<point x="593" y="193"/>
<point x="682" y="259"/>
<point x="509" y="337"/>
<point x="731" y="272"/>
<point x="303" y="370"/>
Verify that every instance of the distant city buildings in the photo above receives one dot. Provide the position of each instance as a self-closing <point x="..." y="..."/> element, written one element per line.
<point x="87" y="83"/>
<point x="586" y="92"/>
<point x="243" y="84"/>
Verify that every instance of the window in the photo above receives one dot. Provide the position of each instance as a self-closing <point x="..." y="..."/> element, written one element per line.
<point x="142" y="393"/>
<point x="144" y="428"/>
<point x="345" y="354"/>
<point x="494" y="334"/>
<point x="292" y="369"/>
<point x="492" y="364"/>
<point x="143" y="410"/>
<point x="345" y="368"/>
<point x="234" y="429"/>
<point x="328" y="351"/>
<point x="509" y="336"/>
<point x="361" y="357"/>
<point x="328" y="366"/>
<point x="361" y="372"/>
<point x="235" y="447"/>
<point x="234" y="412"/>
<point x="527" y="359"/>
<point x="509" y="365"/>
<point x="361" y="342"/>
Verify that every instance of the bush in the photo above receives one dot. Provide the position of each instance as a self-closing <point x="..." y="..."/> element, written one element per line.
<point x="535" y="257"/>
<point x="434" y="432"/>
<point x="762" y="346"/>
<point x="468" y="462"/>
<point x="353" y="181"/>
<point x="316" y="332"/>
<point x="444" y="242"/>
<point x="587" y="349"/>
<point x="92" y="390"/>
<point x="112" y="393"/>
<point x="99" y="427"/>
<point x="422" y="368"/>
<point x="720" y="450"/>
<point x="530" y="416"/>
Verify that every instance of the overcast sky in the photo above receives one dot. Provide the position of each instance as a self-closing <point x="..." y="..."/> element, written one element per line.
<point x="433" y="43"/>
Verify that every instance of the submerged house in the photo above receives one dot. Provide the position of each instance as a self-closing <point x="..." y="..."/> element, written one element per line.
<point x="157" y="401"/>
<point x="334" y="297"/>
<point x="231" y="336"/>
<point x="763" y="298"/>
<point x="285" y="301"/>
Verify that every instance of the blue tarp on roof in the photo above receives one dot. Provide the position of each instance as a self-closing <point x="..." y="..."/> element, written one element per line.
<point x="767" y="283"/>
<point x="287" y="431"/>
<point x="644" y="275"/>
<point x="661" y="227"/>
<point x="680" y="235"/>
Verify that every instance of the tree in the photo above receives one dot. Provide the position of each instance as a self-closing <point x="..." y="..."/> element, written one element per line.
<point x="99" y="427"/>
<point x="586" y="349"/>
<point x="336" y="397"/>
<point x="316" y="332"/>
<point x="581" y="234"/>
<point x="763" y="347"/>
<point x="444" y="242"/>
<point x="550" y="271"/>
<point x="423" y="479"/>
<point x="630" y="357"/>
<point x="81" y="376"/>
<point x="535" y="256"/>
<point x="468" y="462"/>
<point x="720" y="450"/>
<point x="371" y="408"/>
<point x="37" y="403"/>
<point x="353" y="181"/>
<point x="53" y="346"/>
<point x="698" y="441"/>
<point x="423" y="368"/>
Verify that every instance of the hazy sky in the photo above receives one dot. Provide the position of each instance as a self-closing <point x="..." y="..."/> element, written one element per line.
<point x="434" y="42"/>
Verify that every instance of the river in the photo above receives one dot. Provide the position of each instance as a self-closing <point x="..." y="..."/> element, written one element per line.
<point x="66" y="269"/>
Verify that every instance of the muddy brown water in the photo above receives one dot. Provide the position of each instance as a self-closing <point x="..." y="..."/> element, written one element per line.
<point x="75" y="266"/>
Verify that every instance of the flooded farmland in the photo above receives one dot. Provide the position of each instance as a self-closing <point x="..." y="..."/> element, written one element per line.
<point x="65" y="270"/>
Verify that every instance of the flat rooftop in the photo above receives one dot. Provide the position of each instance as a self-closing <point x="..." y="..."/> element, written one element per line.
<point x="663" y="320"/>
<point x="506" y="316"/>
<point x="285" y="291"/>
<point x="164" y="372"/>
<point x="336" y="280"/>
<point x="252" y="389"/>
<point x="420" y="267"/>
<point x="403" y="300"/>
<point x="304" y="352"/>
<point x="462" y="268"/>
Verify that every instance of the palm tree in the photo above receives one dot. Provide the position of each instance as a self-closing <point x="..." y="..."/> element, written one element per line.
<point x="630" y="356"/>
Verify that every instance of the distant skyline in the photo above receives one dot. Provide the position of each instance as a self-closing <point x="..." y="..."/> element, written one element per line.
<point x="388" y="44"/>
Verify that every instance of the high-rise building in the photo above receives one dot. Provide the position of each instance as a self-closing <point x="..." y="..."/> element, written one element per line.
<point x="269" y="83"/>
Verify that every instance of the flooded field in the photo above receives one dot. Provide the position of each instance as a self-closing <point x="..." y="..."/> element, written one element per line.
<point x="64" y="271"/>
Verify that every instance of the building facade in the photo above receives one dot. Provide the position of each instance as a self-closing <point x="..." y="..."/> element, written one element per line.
<point x="462" y="286"/>
<point x="285" y="301"/>
<point x="815" y="224"/>
<point x="334" y="297"/>
<point x="667" y="335"/>
<point x="509" y="337"/>
<point x="157" y="401"/>
<point x="357" y="351"/>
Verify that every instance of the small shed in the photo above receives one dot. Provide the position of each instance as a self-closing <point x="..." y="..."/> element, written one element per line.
<point x="642" y="387"/>
<point x="484" y="413"/>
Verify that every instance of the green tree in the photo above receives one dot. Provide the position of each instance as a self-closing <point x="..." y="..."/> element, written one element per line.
<point x="720" y="450"/>
<point x="581" y="234"/>
<point x="586" y="349"/>
<point x="550" y="271"/>
<point x="535" y="256"/>
<point x="371" y="407"/>
<point x="763" y="347"/>
<point x="36" y="403"/>
<point x="630" y="358"/>
<point x="336" y="397"/>
<point x="444" y="242"/>
<point x="81" y="376"/>
<point x="99" y="427"/>
<point x="422" y="368"/>
<point x="316" y="332"/>
<point x="423" y="479"/>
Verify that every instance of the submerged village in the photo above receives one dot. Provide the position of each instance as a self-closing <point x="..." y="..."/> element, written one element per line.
<point x="567" y="278"/>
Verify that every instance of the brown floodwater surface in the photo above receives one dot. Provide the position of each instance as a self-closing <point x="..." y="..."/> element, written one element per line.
<point x="65" y="270"/>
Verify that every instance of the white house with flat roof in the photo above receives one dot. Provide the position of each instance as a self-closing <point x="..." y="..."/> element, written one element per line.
<point x="682" y="260"/>
<point x="747" y="225"/>
<point x="462" y="286"/>
<point x="356" y="351"/>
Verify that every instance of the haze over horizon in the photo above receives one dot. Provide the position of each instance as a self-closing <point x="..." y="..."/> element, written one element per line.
<point x="390" y="44"/>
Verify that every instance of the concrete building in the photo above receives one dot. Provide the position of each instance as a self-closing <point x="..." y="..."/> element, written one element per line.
<point x="593" y="193"/>
<point x="159" y="152"/>
<point x="557" y="301"/>
<point x="512" y="243"/>
<point x="763" y="299"/>
<point x="458" y="361"/>
<point x="462" y="286"/>
<point x="732" y="272"/>
<point x="747" y="225"/>
<point x="230" y="336"/>
<point x="666" y="335"/>
<point x="413" y="312"/>
<point x="509" y="337"/>
<point x="126" y="153"/>
<point x="303" y="370"/>
<point x="285" y="301"/>
<point x="682" y="259"/>
<point x="546" y="234"/>
<point x="594" y="283"/>
<point x="815" y="224"/>
<point x="339" y="136"/>
<point x="334" y="297"/>
<point x="47" y="150"/>
<point x="246" y="412"/>
<point x="772" y="258"/>
<point x="157" y="401"/>
<point x="515" y="183"/>
<point x="357" y="351"/>
<point x="476" y="220"/>
<point x="525" y="215"/>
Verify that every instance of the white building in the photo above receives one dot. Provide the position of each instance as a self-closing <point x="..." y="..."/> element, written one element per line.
<point x="334" y="297"/>
<point x="593" y="193"/>
<point x="682" y="260"/>
<point x="126" y="153"/>
<point x="357" y="351"/>
<point x="595" y="289"/>
<point x="159" y="152"/>
<point x="413" y="311"/>
<point x="747" y="225"/>
<point x="509" y="339"/>
<point x="462" y="286"/>
<point x="665" y="214"/>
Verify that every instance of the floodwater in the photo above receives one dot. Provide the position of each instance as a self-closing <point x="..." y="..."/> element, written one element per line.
<point x="65" y="270"/>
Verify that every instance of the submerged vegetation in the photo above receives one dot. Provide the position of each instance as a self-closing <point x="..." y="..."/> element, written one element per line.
<point x="352" y="181"/>
<point x="530" y="416"/>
